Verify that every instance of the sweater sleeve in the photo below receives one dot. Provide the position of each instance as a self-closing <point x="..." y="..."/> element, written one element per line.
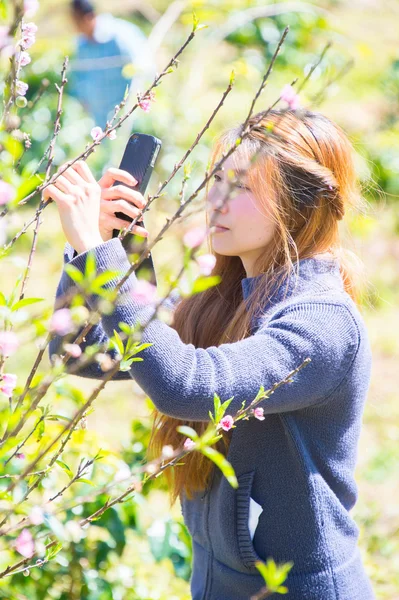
<point x="181" y="380"/>
<point x="96" y="334"/>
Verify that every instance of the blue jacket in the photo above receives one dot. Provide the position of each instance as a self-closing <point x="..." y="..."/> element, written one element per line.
<point x="297" y="464"/>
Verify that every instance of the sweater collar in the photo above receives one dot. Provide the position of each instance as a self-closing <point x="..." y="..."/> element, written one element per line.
<point x="309" y="269"/>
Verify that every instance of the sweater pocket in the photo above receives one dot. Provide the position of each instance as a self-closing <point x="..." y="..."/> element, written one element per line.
<point x="246" y="547"/>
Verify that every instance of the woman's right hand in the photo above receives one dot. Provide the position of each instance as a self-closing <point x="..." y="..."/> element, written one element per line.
<point x="119" y="198"/>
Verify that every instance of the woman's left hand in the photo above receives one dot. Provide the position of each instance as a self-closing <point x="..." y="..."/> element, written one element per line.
<point x="78" y="195"/>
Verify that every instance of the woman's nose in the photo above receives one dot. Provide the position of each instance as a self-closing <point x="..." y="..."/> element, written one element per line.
<point x="217" y="201"/>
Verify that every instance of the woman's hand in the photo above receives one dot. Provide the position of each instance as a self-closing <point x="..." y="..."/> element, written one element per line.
<point x="78" y="198"/>
<point x="119" y="198"/>
<point x="87" y="209"/>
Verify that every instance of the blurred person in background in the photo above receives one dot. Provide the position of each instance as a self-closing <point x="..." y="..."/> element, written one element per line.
<point x="111" y="53"/>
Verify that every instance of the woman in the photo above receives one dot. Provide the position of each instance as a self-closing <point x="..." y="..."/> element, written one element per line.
<point x="287" y="293"/>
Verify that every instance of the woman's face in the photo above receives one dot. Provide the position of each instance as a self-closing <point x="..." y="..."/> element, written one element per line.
<point x="234" y="206"/>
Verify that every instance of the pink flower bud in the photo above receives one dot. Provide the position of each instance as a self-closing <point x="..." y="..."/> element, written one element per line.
<point x="96" y="133"/>
<point x="227" y="422"/>
<point x="23" y="58"/>
<point x="29" y="28"/>
<point x="30" y="7"/>
<point x="8" y="383"/>
<point x="7" y="192"/>
<point x="144" y="292"/>
<point x="112" y="134"/>
<point x="8" y="343"/>
<point x="188" y="444"/>
<point x="145" y="105"/>
<point x="194" y="237"/>
<point x="206" y="262"/>
<point x="20" y="455"/>
<point x="289" y="95"/>
<point x="28" y="35"/>
<point x="258" y="413"/>
<point x="74" y="350"/>
<point x="61" y="322"/>
<point x="21" y="87"/>
<point x="24" y="544"/>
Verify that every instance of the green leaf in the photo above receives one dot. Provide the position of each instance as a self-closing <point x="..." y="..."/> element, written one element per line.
<point x="25" y="302"/>
<point x="3" y="299"/>
<point x="139" y="348"/>
<point x="223" y="464"/>
<point x="53" y="551"/>
<point x="90" y="267"/>
<point x="74" y="273"/>
<point x="188" y="431"/>
<point x="65" y="468"/>
<point x="103" y="278"/>
<point x="14" y="292"/>
<point x="117" y="343"/>
<point x="203" y="283"/>
<point x="274" y="575"/>
<point x="83" y="480"/>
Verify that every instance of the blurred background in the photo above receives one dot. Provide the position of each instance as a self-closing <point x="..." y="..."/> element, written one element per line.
<point x="141" y="550"/>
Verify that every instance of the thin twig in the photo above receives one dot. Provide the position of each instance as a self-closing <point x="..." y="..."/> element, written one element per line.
<point x="57" y="127"/>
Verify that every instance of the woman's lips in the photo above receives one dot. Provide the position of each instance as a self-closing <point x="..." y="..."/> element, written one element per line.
<point x="219" y="229"/>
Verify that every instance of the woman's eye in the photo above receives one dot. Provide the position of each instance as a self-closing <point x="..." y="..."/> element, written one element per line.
<point x="242" y="186"/>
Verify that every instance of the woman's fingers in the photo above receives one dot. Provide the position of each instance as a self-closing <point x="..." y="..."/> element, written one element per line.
<point x="121" y="206"/>
<point x="84" y="171"/>
<point x="73" y="176"/>
<point x="64" y="184"/>
<point x="51" y="191"/>
<point x="122" y="192"/>
<point x="121" y="224"/>
<point x="112" y="175"/>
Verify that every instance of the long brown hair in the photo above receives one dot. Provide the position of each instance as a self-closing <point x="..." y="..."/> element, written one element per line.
<point x="303" y="178"/>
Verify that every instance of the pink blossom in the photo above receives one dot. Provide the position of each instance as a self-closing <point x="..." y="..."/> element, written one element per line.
<point x="20" y="455"/>
<point x="8" y="383"/>
<point x="227" y="422"/>
<point x="21" y="87"/>
<point x="206" y="262"/>
<point x="289" y="95"/>
<point x="74" y="350"/>
<point x="96" y="133"/>
<point x="112" y="134"/>
<point x="30" y="7"/>
<point x="144" y="292"/>
<point x="188" y="444"/>
<point x="258" y="413"/>
<point x="24" y="544"/>
<point x="36" y="515"/>
<point x="23" y="58"/>
<point x="7" y="192"/>
<point x="194" y="237"/>
<point x="8" y="343"/>
<point x="61" y="322"/>
<point x="145" y="103"/>
<point x="28" y="34"/>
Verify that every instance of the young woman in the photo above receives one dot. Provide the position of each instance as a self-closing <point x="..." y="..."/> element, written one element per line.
<point x="287" y="293"/>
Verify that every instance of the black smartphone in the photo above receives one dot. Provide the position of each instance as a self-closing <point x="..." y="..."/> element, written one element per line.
<point x="138" y="159"/>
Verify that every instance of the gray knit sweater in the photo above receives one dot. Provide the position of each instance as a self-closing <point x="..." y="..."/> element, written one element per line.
<point x="297" y="464"/>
